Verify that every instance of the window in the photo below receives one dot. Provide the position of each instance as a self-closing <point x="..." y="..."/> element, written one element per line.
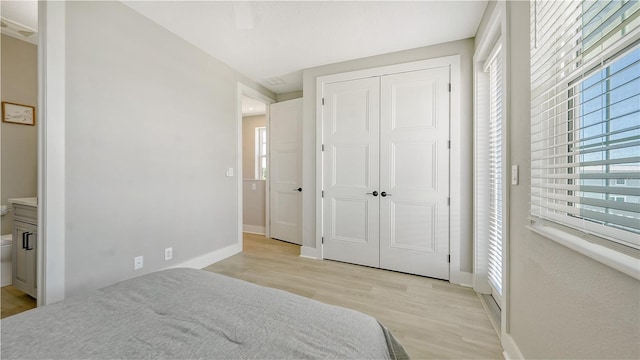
<point x="585" y="108"/>
<point x="496" y="173"/>
<point x="261" y="153"/>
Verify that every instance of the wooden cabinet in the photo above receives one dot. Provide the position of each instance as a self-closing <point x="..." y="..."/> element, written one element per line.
<point x="25" y="242"/>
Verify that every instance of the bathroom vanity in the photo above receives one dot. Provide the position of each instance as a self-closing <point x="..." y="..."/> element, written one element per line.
<point x="25" y="242"/>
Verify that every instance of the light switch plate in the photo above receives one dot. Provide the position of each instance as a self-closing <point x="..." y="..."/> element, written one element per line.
<point x="514" y="174"/>
<point x="229" y="172"/>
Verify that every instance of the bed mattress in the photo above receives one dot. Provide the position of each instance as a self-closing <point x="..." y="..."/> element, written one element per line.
<point x="194" y="314"/>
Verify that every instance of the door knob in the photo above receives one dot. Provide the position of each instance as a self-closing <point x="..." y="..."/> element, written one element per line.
<point x="375" y="193"/>
<point x="384" y="194"/>
<point x="298" y="189"/>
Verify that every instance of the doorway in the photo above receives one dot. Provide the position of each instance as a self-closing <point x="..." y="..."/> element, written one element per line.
<point x="253" y="212"/>
<point x="19" y="149"/>
<point x="254" y="166"/>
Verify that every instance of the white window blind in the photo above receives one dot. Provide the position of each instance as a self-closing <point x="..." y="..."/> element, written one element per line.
<point x="585" y="109"/>
<point x="494" y="272"/>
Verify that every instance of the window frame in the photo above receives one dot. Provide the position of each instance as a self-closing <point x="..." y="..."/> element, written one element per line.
<point x="586" y="237"/>
<point x="260" y="172"/>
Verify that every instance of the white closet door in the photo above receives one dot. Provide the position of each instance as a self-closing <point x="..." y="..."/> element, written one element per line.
<point x="414" y="172"/>
<point x="351" y="140"/>
<point x="285" y="170"/>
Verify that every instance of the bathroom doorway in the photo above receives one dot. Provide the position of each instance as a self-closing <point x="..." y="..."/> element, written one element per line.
<point x="19" y="154"/>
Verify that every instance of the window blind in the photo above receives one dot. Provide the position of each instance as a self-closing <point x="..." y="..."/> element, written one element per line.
<point x="585" y="116"/>
<point x="495" y="171"/>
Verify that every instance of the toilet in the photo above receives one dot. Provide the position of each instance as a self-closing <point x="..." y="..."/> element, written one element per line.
<point x="6" y="256"/>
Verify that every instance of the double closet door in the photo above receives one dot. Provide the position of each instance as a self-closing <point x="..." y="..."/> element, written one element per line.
<point x="386" y="171"/>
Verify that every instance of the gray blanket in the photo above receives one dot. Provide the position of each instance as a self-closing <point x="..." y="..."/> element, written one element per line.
<point x="194" y="314"/>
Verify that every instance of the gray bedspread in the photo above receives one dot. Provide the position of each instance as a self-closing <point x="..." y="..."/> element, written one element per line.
<point x="194" y="314"/>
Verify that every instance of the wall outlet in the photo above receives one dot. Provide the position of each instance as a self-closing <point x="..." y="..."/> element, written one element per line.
<point x="138" y="262"/>
<point x="168" y="253"/>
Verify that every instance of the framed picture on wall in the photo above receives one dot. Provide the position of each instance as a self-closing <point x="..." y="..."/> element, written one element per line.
<point x="18" y="114"/>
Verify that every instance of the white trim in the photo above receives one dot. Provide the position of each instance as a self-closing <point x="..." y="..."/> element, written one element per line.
<point x="511" y="350"/>
<point x="210" y="258"/>
<point x="456" y="276"/>
<point x="310" y="253"/>
<point x="243" y="89"/>
<point x="624" y="263"/>
<point x="465" y="279"/>
<point x="253" y="229"/>
<point x="51" y="152"/>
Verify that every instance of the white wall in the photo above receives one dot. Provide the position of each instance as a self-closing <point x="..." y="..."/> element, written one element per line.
<point x="151" y="127"/>
<point x="464" y="48"/>
<point x="562" y="304"/>
<point x="254" y="205"/>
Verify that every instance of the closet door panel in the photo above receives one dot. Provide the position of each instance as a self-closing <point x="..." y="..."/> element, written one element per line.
<point x="350" y="171"/>
<point x="414" y="172"/>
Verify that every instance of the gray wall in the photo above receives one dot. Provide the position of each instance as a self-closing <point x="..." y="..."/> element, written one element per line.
<point x="249" y="125"/>
<point x="19" y="144"/>
<point x="151" y="127"/>
<point x="562" y="304"/>
<point x="464" y="48"/>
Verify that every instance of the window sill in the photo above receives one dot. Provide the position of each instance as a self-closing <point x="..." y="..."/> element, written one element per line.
<point x="622" y="262"/>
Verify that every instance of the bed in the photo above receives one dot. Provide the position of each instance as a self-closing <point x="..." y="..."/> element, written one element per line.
<point x="194" y="314"/>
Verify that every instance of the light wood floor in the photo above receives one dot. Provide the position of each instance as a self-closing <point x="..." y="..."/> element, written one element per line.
<point x="14" y="301"/>
<point x="431" y="318"/>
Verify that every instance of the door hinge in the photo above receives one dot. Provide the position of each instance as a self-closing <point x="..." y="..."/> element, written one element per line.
<point x="448" y="258"/>
<point x="448" y="201"/>
<point x="322" y="147"/>
<point x="322" y="193"/>
<point x="449" y="144"/>
<point x="322" y="239"/>
<point x="449" y="90"/>
<point x="322" y="101"/>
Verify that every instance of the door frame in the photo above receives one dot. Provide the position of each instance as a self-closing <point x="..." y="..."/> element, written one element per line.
<point x="51" y="152"/>
<point x="245" y="90"/>
<point x="458" y="163"/>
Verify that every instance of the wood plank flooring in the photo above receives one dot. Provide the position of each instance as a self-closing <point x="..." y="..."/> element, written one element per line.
<point x="14" y="301"/>
<point x="431" y="318"/>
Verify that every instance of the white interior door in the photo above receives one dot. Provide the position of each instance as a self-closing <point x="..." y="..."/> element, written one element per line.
<point x="351" y="140"/>
<point x="285" y="170"/>
<point x="414" y="172"/>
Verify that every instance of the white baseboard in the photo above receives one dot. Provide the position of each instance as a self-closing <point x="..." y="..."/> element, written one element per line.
<point x="461" y="278"/>
<point x="211" y="258"/>
<point x="511" y="350"/>
<point x="253" y="229"/>
<point x="309" y="252"/>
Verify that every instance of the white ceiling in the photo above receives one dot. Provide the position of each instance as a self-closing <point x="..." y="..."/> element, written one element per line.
<point x="252" y="107"/>
<point x="20" y="19"/>
<point x="271" y="42"/>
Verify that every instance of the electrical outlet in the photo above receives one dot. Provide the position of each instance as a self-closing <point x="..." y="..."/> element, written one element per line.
<point x="168" y="253"/>
<point x="138" y="262"/>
